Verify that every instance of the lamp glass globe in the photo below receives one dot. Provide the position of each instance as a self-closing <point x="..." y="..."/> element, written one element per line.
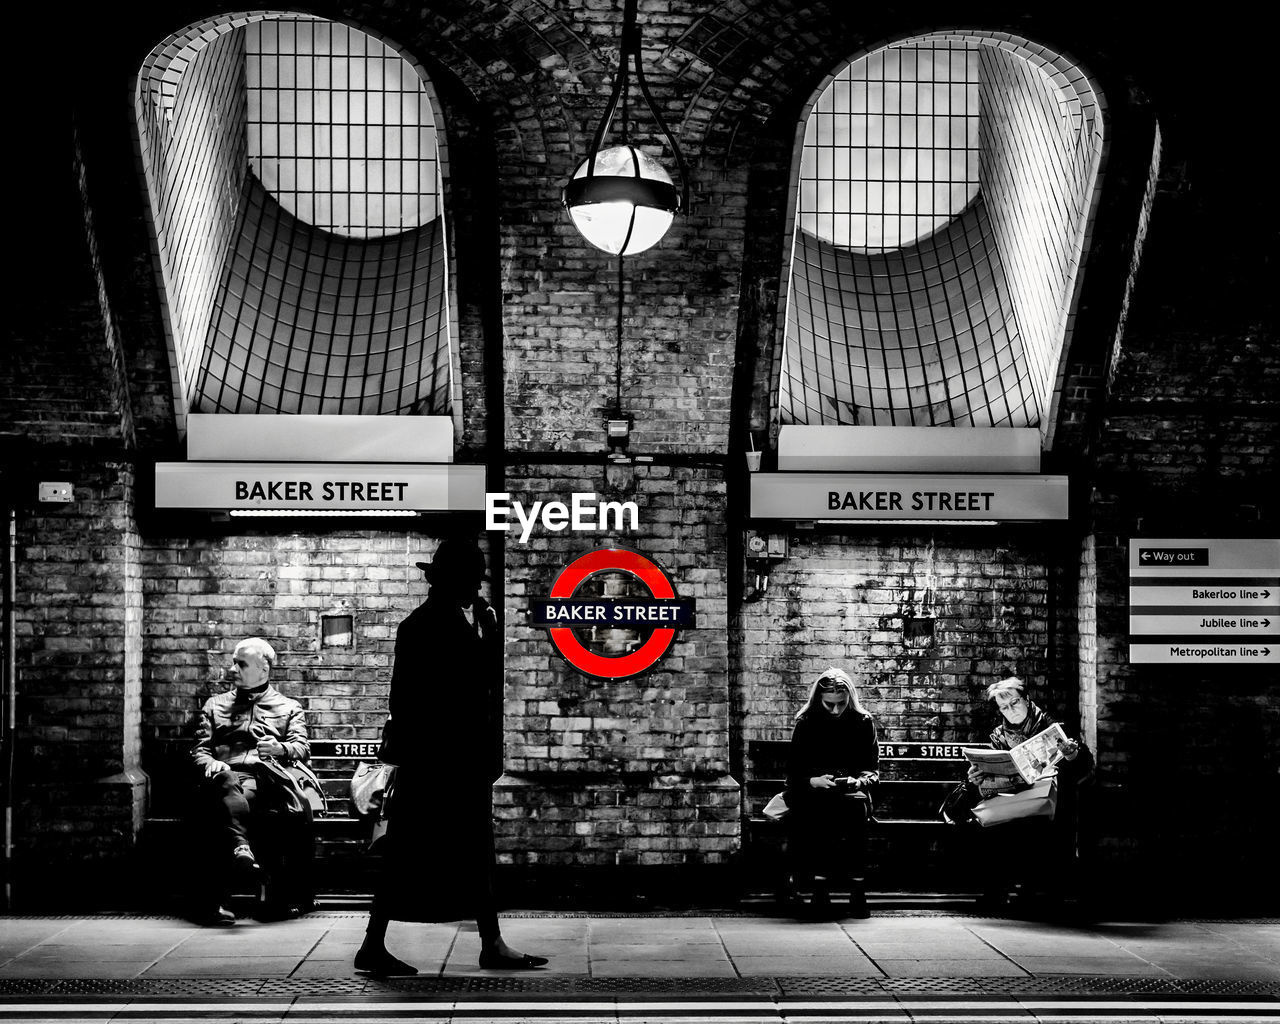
<point x="613" y="224"/>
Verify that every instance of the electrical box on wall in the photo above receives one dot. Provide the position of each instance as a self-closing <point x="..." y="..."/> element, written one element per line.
<point x="766" y="547"/>
<point x="59" y="492"/>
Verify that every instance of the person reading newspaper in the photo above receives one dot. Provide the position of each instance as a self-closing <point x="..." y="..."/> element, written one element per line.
<point x="1027" y="745"/>
<point x="1007" y="771"/>
<point x="1039" y="741"/>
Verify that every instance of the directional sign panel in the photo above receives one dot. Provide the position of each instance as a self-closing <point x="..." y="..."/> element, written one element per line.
<point x="1204" y="601"/>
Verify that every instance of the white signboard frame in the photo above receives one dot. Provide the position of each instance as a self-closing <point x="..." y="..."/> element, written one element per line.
<point x="319" y="486"/>
<point x="879" y="497"/>
<point x="1202" y="601"/>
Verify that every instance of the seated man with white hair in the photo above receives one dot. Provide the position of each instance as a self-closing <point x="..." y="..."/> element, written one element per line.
<point x="239" y="730"/>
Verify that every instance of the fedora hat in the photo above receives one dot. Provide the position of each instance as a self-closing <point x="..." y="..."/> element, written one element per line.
<point x="455" y="556"/>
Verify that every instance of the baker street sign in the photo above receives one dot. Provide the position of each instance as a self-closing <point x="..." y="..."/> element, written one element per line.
<point x="959" y="497"/>
<point x="311" y="487"/>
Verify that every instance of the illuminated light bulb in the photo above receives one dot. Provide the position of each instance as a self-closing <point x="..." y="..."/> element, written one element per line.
<point x="625" y="203"/>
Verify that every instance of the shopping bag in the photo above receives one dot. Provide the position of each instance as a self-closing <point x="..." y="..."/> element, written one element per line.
<point x="776" y="809"/>
<point x="369" y="785"/>
<point x="1038" y="801"/>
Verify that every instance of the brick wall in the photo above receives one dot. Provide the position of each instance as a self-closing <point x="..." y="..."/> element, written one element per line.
<point x="78" y="621"/>
<point x="1087" y="627"/>
<point x="922" y="623"/>
<point x="632" y="771"/>
<point x="1187" y="447"/>
<point x="62" y="379"/>
<point x="205" y="592"/>
<point x="1186" y="444"/>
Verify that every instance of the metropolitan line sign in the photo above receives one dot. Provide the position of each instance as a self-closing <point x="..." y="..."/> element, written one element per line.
<point x="319" y="486"/>
<point x="1203" y="602"/>
<point x="958" y="497"/>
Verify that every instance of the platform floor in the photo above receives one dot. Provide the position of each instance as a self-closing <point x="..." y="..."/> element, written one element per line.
<point x="898" y="966"/>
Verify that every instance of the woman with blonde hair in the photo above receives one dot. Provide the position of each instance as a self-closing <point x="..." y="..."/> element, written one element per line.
<point x="833" y="765"/>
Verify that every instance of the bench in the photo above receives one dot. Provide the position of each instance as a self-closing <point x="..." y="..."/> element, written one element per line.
<point x="343" y="870"/>
<point x="906" y="842"/>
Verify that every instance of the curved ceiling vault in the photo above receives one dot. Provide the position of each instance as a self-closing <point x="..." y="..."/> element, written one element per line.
<point x="944" y="194"/>
<point x="293" y="169"/>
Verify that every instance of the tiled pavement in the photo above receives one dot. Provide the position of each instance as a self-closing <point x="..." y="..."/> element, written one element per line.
<point x="893" y="947"/>
<point x="941" y="968"/>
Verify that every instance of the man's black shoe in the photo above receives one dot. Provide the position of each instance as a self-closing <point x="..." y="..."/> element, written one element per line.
<point x="382" y="964"/>
<point x="491" y="961"/>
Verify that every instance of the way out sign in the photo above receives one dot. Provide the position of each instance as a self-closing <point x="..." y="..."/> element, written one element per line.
<point x="1204" y="602"/>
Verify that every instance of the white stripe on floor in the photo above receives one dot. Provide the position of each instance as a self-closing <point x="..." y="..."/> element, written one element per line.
<point x="753" y="1011"/>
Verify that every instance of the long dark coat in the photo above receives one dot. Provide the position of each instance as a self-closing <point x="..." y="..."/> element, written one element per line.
<point x="826" y="827"/>
<point x="446" y="684"/>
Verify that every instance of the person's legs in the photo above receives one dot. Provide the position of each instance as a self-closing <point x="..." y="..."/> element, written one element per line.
<point x="849" y="849"/>
<point x="210" y="891"/>
<point x="286" y="849"/>
<point x="373" y="957"/>
<point x="810" y="851"/>
<point x="398" y="843"/>
<point x="494" y="952"/>
<point x="800" y="850"/>
<point x="228" y="797"/>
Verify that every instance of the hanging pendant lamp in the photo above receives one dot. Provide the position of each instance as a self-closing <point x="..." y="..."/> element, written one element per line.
<point x="620" y="199"/>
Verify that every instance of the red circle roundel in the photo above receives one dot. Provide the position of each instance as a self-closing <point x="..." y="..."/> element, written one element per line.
<point x="655" y="581"/>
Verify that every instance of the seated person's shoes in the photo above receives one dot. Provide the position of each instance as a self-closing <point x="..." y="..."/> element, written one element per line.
<point x="382" y="964"/>
<point x="244" y="859"/>
<point x="273" y="911"/>
<point x="215" y="917"/>
<point x="493" y="961"/>
<point x="858" y="899"/>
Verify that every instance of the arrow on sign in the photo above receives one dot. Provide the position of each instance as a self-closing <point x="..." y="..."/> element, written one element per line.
<point x="1266" y="622"/>
<point x="1145" y="556"/>
<point x="1266" y="593"/>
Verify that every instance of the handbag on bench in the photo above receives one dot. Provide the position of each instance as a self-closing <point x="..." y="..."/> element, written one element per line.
<point x="1039" y="801"/>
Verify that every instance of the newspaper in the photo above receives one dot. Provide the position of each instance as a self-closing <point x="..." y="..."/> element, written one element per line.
<point x="1030" y="760"/>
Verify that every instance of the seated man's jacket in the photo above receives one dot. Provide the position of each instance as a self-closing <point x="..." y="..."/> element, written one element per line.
<point x="232" y="723"/>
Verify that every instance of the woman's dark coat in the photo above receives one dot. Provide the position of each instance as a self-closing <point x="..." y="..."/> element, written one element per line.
<point x="446" y="689"/>
<point x="825" y="744"/>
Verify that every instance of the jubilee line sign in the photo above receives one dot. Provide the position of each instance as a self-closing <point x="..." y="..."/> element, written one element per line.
<point x="1198" y="601"/>
<point x="956" y="497"/>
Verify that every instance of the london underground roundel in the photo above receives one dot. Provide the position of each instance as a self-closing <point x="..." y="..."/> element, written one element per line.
<point x="659" y="610"/>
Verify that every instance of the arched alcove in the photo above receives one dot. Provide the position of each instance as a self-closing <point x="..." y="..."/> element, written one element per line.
<point x="294" y="171"/>
<point x="943" y="194"/>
